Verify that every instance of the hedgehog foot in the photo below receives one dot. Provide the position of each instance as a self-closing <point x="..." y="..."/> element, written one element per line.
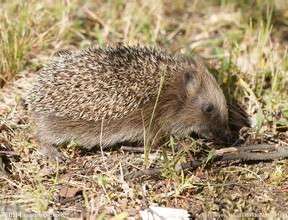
<point x="52" y="153"/>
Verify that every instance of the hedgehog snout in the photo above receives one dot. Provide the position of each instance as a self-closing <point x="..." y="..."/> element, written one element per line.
<point x="222" y="135"/>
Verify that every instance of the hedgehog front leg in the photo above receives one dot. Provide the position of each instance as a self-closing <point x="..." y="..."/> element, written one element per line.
<point x="47" y="142"/>
<point x="50" y="132"/>
<point x="51" y="152"/>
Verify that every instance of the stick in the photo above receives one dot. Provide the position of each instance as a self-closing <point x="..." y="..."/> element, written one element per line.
<point x="259" y="152"/>
<point x="253" y="152"/>
<point x="132" y="149"/>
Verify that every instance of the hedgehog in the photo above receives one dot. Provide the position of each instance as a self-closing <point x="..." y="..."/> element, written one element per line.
<point x="103" y="96"/>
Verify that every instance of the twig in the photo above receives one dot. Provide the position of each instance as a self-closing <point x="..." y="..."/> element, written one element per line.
<point x="259" y="152"/>
<point x="254" y="152"/>
<point x="191" y="165"/>
<point x="132" y="149"/>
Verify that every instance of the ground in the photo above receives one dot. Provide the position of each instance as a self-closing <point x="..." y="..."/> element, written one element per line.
<point x="246" y="41"/>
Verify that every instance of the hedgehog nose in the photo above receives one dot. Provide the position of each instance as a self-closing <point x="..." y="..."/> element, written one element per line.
<point x="224" y="136"/>
<point x="227" y="137"/>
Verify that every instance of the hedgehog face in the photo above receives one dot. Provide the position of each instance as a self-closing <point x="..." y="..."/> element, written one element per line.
<point x="203" y="107"/>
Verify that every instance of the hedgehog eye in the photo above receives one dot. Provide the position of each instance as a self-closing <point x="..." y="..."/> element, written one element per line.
<point x="208" y="108"/>
<point x="188" y="77"/>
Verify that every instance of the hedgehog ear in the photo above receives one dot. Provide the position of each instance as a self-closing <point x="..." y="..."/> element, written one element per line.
<point x="190" y="82"/>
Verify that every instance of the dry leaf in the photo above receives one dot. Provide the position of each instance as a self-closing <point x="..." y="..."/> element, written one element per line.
<point x="69" y="191"/>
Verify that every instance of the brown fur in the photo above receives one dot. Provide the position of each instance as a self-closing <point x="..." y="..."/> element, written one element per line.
<point x="143" y="93"/>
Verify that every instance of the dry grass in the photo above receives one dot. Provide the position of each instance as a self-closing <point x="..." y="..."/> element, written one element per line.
<point x="245" y="40"/>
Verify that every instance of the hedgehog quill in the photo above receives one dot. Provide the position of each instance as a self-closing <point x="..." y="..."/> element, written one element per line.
<point x="125" y="94"/>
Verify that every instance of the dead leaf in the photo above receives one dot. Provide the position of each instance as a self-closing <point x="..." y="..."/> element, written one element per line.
<point x="69" y="191"/>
